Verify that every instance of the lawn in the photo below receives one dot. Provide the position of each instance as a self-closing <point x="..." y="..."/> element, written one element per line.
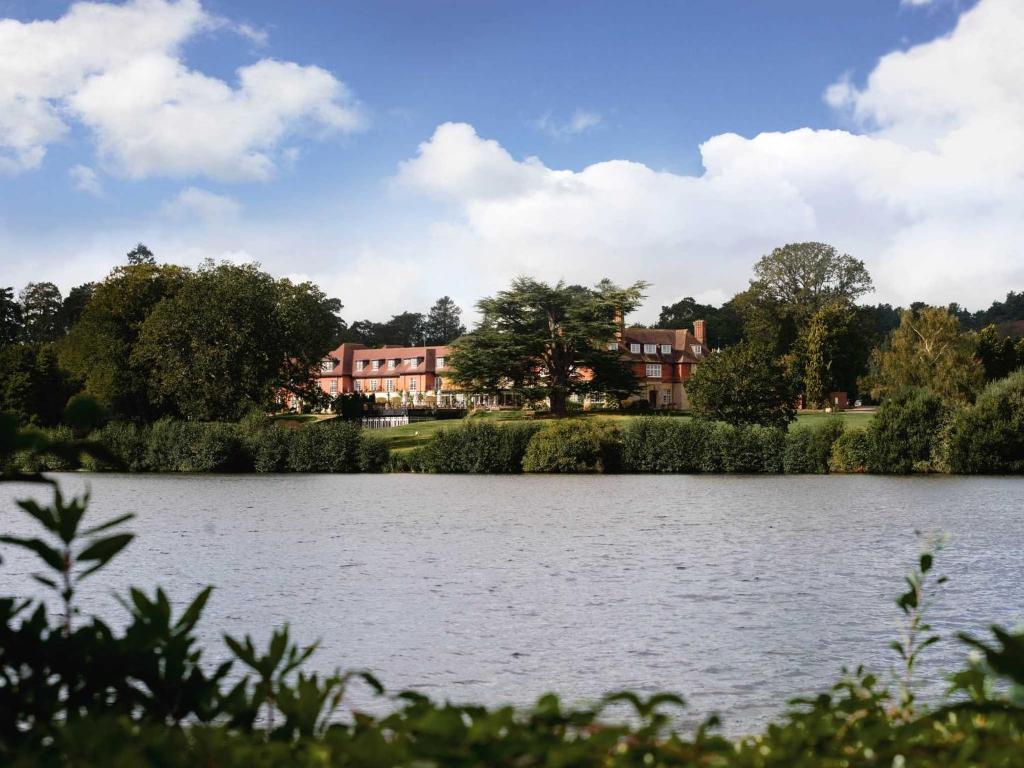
<point x="412" y="435"/>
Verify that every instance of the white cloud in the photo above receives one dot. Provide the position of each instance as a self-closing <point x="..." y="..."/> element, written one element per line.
<point x="579" y="122"/>
<point x="117" y="69"/>
<point x="930" y="194"/>
<point x="208" y="207"/>
<point x="86" y="180"/>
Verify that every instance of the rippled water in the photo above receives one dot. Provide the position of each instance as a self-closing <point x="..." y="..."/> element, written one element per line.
<point x="739" y="592"/>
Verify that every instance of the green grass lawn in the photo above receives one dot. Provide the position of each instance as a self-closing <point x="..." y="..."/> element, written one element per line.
<point x="410" y="436"/>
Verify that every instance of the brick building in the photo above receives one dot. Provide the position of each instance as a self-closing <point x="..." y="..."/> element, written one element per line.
<point x="662" y="360"/>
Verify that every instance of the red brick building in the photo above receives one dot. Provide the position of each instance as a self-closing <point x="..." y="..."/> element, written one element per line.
<point x="413" y="374"/>
<point x="662" y="361"/>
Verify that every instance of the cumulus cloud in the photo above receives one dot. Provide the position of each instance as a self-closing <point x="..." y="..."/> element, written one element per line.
<point x="579" y="122"/>
<point x="929" y="192"/>
<point x="208" y="207"/>
<point x="117" y="70"/>
<point x="86" y="180"/>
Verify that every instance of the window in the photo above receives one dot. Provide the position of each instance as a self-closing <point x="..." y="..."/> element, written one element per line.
<point x="357" y="385"/>
<point x="440" y="362"/>
<point x="666" y="349"/>
<point x="376" y="365"/>
<point x="391" y="364"/>
<point x="634" y="348"/>
<point x="696" y="349"/>
<point x="437" y="384"/>
<point x="360" y="364"/>
<point x="654" y="370"/>
<point x="612" y="346"/>
<point x="389" y="385"/>
<point x="412" y="384"/>
<point x="334" y="386"/>
<point x="373" y="385"/>
<point x="327" y="365"/>
<point x="666" y="398"/>
<point x="650" y="349"/>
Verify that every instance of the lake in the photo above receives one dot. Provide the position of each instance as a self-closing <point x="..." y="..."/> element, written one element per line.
<point x="738" y="592"/>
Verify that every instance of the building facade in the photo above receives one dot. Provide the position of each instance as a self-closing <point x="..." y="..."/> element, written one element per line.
<point x="662" y="360"/>
<point x="408" y="374"/>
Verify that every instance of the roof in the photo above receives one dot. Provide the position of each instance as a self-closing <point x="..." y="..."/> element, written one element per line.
<point x="348" y="354"/>
<point x="680" y="340"/>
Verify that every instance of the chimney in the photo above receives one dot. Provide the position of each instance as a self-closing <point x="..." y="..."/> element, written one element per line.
<point x="620" y="326"/>
<point x="700" y="332"/>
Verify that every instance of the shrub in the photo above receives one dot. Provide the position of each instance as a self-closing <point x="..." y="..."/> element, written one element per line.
<point x="329" y="446"/>
<point x="658" y="444"/>
<point x="850" y="452"/>
<point x="573" y="446"/>
<point x="905" y="431"/>
<point x="809" y="448"/>
<point x="185" y="446"/>
<point x="127" y="444"/>
<point x="477" y="447"/>
<point x="31" y="461"/>
<point x="988" y="437"/>
<point x="374" y="455"/>
<point x="266" y="443"/>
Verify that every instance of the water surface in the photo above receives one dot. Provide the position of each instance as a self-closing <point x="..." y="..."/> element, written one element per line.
<point x="738" y="592"/>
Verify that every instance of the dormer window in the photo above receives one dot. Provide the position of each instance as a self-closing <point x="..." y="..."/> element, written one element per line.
<point x="697" y="350"/>
<point x="666" y="349"/>
<point x="440" y="362"/>
<point x="612" y="346"/>
<point x="634" y="348"/>
<point x="391" y="364"/>
<point x="376" y="365"/>
<point x="327" y="365"/>
<point x="650" y="349"/>
<point x="360" y="364"/>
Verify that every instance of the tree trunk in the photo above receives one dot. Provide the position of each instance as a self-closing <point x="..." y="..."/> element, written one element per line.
<point x="559" y="399"/>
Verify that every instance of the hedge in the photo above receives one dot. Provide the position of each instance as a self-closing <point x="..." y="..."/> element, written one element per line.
<point x="904" y="435"/>
<point x="988" y="437"/>
<point x="575" y="446"/>
<point x="475" y="447"/>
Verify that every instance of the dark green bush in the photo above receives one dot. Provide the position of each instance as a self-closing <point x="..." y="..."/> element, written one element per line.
<point x="374" y="455"/>
<point x="185" y="446"/>
<point x="809" y="448"/>
<point x="477" y="447"/>
<point x="750" y="449"/>
<point x="126" y="442"/>
<point x="328" y="446"/>
<point x="905" y="432"/>
<point x="32" y="461"/>
<point x="988" y="437"/>
<point x="850" y="452"/>
<point x="267" y="445"/>
<point x="573" y="446"/>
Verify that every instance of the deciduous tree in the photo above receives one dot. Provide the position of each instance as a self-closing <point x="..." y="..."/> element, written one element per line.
<point x="744" y="384"/>
<point x="927" y="350"/>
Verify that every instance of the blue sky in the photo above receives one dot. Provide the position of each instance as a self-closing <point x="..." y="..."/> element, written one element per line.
<point x="338" y="190"/>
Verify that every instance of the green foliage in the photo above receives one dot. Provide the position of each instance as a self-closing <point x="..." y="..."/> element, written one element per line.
<point x="330" y="446"/>
<point x="662" y="445"/>
<point x="32" y="386"/>
<point x="744" y="384"/>
<point x="988" y="437"/>
<point x="904" y="435"/>
<point x="927" y="350"/>
<point x="182" y="446"/>
<point x="267" y="445"/>
<point x="476" y="447"/>
<point x="724" y="324"/>
<point x="41" y="308"/>
<point x="809" y="449"/>
<point x="444" y="322"/>
<point x="851" y="452"/>
<point x="543" y="341"/>
<point x="126" y="443"/>
<point x="573" y="446"/>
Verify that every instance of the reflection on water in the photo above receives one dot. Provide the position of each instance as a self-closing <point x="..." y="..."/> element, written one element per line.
<point x="739" y="592"/>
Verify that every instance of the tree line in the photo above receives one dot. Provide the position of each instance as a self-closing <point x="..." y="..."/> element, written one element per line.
<point x="158" y="340"/>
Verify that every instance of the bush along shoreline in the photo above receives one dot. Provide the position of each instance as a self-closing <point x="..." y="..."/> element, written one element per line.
<point x="77" y="690"/>
<point x="913" y="432"/>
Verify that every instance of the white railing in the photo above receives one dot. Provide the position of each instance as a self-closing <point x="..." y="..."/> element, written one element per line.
<point x="383" y="422"/>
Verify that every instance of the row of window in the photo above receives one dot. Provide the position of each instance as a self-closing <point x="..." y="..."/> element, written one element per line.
<point x="389" y="385"/>
<point x="392" y="363"/>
